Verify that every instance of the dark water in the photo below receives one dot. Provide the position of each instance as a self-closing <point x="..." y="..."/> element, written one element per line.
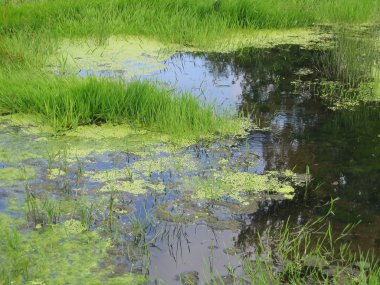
<point x="341" y="148"/>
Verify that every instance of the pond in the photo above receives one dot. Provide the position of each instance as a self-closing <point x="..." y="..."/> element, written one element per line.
<point x="187" y="207"/>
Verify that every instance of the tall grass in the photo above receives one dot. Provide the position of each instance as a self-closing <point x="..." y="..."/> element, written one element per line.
<point x="348" y="71"/>
<point x="70" y="102"/>
<point x="180" y="21"/>
<point x="353" y="59"/>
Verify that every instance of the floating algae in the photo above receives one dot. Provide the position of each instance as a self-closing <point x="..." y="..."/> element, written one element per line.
<point x="306" y="38"/>
<point x="62" y="254"/>
<point x="22" y="173"/>
<point x="238" y="186"/>
<point x="117" y="56"/>
<point x="136" y="187"/>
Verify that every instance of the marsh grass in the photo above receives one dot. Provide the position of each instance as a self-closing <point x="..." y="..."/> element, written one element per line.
<point x="181" y="21"/>
<point x="66" y="103"/>
<point x="348" y="72"/>
<point x="42" y="212"/>
<point x="311" y="253"/>
<point x="354" y="57"/>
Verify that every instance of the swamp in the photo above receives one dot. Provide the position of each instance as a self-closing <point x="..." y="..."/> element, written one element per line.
<point x="195" y="142"/>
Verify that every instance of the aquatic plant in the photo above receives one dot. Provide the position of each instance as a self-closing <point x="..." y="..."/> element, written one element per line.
<point x="310" y="253"/>
<point x="42" y="212"/>
<point x="59" y="255"/>
<point x="349" y="70"/>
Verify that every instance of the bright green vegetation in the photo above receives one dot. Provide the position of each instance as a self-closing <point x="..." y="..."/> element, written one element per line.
<point x="69" y="103"/>
<point x="32" y="33"/>
<point x="136" y="187"/>
<point x="182" y="21"/>
<point x="61" y="254"/>
<point x="125" y="57"/>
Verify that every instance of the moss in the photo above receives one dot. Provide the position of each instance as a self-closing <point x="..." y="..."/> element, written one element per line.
<point x="63" y="254"/>
<point x="22" y="173"/>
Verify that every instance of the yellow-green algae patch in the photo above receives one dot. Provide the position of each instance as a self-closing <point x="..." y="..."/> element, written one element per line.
<point x="31" y="124"/>
<point x="105" y="131"/>
<point x="132" y="56"/>
<point x="307" y="38"/>
<point x="21" y="173"/>
<point x="54" y="173"/>
<point x="126" y="56"/>
<point x="85" y="140"/>
<point x="237" y="185"/>
<point x="145" y="167"/>
<point x="168" y="163"/>
<point x="62" y="254"/>
<point x="136" y="187"/>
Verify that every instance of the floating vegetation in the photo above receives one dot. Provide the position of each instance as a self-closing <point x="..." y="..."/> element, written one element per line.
<point x="349" y="69"/>
<point x="63" y="253"/>
<point x="21" y="173"/>
<point x="119" y="57"/>
<point x="238" y="186"/>
<point x="136" y="187"/>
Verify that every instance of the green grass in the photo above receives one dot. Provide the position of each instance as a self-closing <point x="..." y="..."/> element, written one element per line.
<point x="68" y="102"/>
<point x="180" y="21"/>
<point x="347" y="72"/>
<point x="310" y="254"/>
<point x="30" y="31"/>
<point x="353" y="59"/>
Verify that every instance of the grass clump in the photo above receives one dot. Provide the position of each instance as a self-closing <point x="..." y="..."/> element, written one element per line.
<point x="347" y="72"/>
<point x="70" y="102"/>
<point x="310" y="254"/>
